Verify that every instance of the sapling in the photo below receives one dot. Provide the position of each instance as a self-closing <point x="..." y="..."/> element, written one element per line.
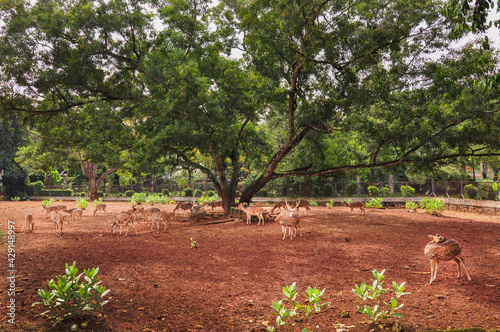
<point x="193" y="243"/>
<point x="82" y="203"/>
<point x="375" y="293"/>
<point x="296" y="312"/>
<point x="68" y="297"/>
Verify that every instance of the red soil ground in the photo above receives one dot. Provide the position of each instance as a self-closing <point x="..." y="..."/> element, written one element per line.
<point x="159" y="283"/>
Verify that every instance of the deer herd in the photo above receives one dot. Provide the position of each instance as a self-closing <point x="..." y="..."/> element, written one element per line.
<point x="438" y="249"/>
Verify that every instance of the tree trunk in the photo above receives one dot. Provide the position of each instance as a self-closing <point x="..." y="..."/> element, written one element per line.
<point x="90" y="171"/>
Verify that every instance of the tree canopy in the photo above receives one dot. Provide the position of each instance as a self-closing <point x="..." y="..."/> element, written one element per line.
<point x="319" y="86"/>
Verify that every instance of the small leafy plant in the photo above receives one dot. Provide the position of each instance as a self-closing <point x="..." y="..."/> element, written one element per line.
<point x="68" y="297"/>
<point x="298" y="312"/>
<point x="48" y="202"/>
<point x="313" y="203"/>
<point x="407" y="191"/>
<point x="375" y="202"/>
<point x="432" y="206"/>
<point x="374" y="191"/>
<point x="15" y="199"/>
<point x="82" y="203"/>
<point x="193" y="243"/>
<point x="330" y="204"/>
<point x="375" y="293"/>
<point x="411" y="206"/>
<point x="138" y="198"/>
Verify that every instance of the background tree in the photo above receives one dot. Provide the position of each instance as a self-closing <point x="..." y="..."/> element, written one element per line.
<point x="11" y="138"/>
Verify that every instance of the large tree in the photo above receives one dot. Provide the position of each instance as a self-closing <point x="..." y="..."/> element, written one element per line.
<point x="353" y="75"/>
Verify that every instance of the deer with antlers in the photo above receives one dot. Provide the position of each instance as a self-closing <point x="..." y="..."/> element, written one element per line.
<point x="289" y="220"/>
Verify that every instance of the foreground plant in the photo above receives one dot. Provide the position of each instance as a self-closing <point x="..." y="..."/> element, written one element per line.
<point x="298" y="313"/>
<point x="330" y="204"/>
<point x="48" y="202"/>
<point x="375" y="203"/>
<point x="375" y="294"/>
<point x="193" y="243"/>
<point x="68" y="297"/>
<point x="82" y="203"/>
<point x="411" y="206"/>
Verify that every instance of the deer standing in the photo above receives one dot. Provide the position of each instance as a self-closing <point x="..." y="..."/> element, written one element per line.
<point x="443" y="249"/>
<point x="100" y="207"/>
<point x="353" y="205"/>
<point x="252" y="211"/>
<point x="289" y="220"/>
<point x="121" y="219"/>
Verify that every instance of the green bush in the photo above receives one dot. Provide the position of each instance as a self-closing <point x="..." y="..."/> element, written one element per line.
<point x="386" y="190"/>
<point x="407" y="191"/>
<point x="198" y="193"/>
<point x="375" y="202"/>
<point x="166" y="192"/>
<point x="487" y="191"/>
<point x="188" y="192"/>
<point x="37" y="187"/>
<point x="56" y="192"/>
<point x="261" y="193"/>
<point x="374" y="191"/>
<point x="129" y="193"/>
<point x="351" y="188"/>
<point x="138" y="198"/>
<point x="470" y="191"/>
<point x="327" y="190"/>
<point x="67" y="297"/>
<point x="210" y="193"/>
<point x="432" y="206"/>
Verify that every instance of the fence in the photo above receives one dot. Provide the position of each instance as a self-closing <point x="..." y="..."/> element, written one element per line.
<point x="447" y="189"/>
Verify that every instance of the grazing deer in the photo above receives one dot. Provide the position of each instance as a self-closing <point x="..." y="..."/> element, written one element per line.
<point x="148" y="213"/>
<point x="279" y="205"/>
<point x="100" y="207"/>
<point x="252" y="211"/>
<point x="76" y="215"/>
<point x="121" y="219"/>
<point x="54" y="208"/>
<point x="304" y="204"/>
<point x="213" y="204"/>
<point x="160" y="216"/>
<point x="353" y="205"/>
<point x="29" y="226"/>
<point x="443" y="249"/>
<point x="184" y="206"/>
<point x="58" y="220"/>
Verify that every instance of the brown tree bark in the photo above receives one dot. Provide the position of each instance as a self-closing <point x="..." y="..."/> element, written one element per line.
<point x="90" y="171"/>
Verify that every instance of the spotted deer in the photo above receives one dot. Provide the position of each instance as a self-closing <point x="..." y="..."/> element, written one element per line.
<point x="302" y="203"/>
<point x="29" y="226"/>
<point x="213" y="204"/>
<point x="54" y="208"/>
<point x="121" y="219"/>
<point x="149" y="212"/>
<point x="289" y="220"/>
<point x="184" y="206"/>
<point x="162" y="217"/>
<point x="443" y="249"/>
<point x="252" y="211"/>
<point x="58" y="220"/>
<point x="100" y="207"/>
<point x="353" y="205"/>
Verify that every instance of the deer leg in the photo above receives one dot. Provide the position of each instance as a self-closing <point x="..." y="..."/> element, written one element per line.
<point x="458" y="266"/>
<point x="436" y="266"/>
<point x="465" y="268"/>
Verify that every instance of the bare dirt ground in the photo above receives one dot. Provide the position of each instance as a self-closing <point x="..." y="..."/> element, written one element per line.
<point x="159" y="283"/>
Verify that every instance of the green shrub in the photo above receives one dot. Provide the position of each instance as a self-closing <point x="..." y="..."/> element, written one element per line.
<point x="386" y="190"/>
<point x="37" y="187"/>
<point x="138" y="198"/>
<point x="261" y="193"/>
<point x="188" y="192"/>
<point x="487" y="191"/>
<point x="129" y="193"/>
<point x="373" y="191"/>
<point x="327" y="189"/>
<point x="375" y="202"/>
<point x="56" y="192"/>
<point x="411" y="206"/>
<point x="82" y="203"/>
<point x="210" y="193"/>
<point x="432" y="206"/>
<point x="166" y="192"/>
<point x="198" y="193"/>
<point x="470" y="191"/>
<point x="67" y="297"/>
<point x="351" y="188"/>
<point x="407" y="191"/>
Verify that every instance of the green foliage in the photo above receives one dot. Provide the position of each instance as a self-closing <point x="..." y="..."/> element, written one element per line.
<point x="166" y="192"/>
<point x="386" y="190"/>
<point x="82" y="203"/>
<point x="373" y="191"/>
<point x="15" y="199"/>
<point x="313" y="203"/>
<point x="296" y="313"/>
<point x="37" y="187"/>
<point x="188" y="192"/>
<point x="138" y="198"/>
<point x="48" y="202"/>
<point x="2" y="235"/>
<point x="470" y="191"/>
<point x="327" y="190"/>
<point x="198" y="193"/>
<point x="375" y="202"/>
<point x="351" y="188"/>
<point x="206" y="199"/>
<point x="411" y="206"/>
<point x="486" y="190"/>
<point x="193" y="243"/>
<point x="432" y="205"/>
<point x="56" y="192"/>
<point x="68" y="297"/>
<point x="211" y="193"/>
<point x="97" y="202"/>
<point x="261" y="193"/>
<point x="157" y="199"/>
<point x="407" y="191"/>
<point x="330" y="204"/>
<point x="376" y="294"/>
